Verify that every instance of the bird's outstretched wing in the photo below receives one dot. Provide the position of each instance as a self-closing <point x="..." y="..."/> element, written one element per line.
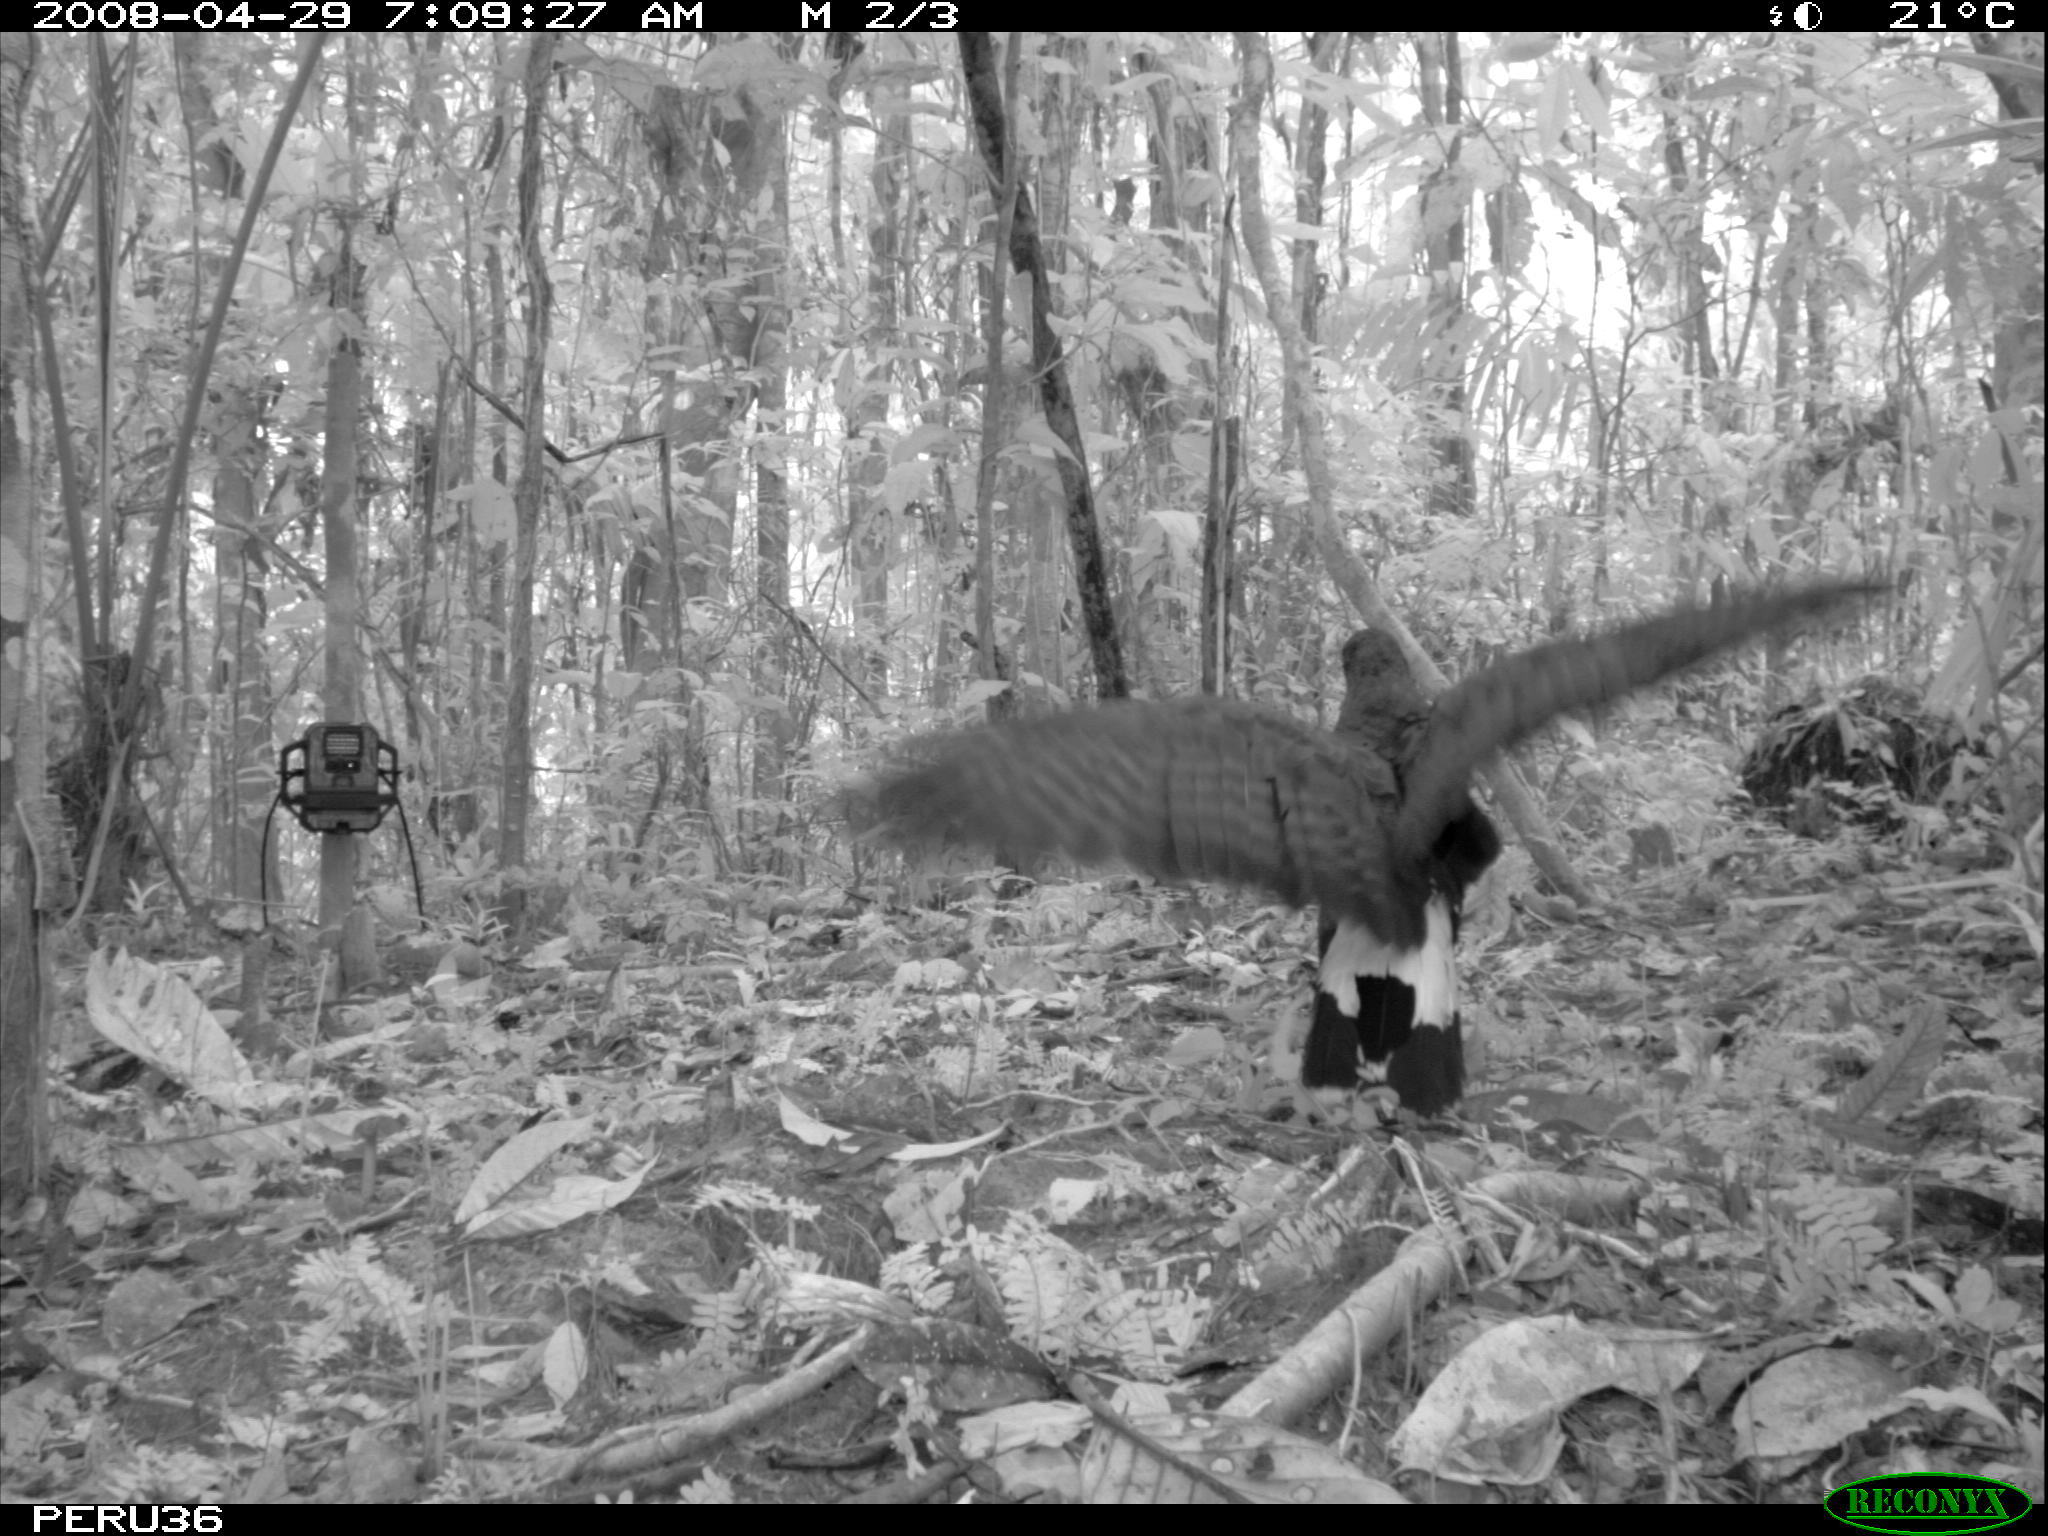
<point x="1196" y="789"/>
<point x="1206" y="789"/>
<point x="1499" y="705"/>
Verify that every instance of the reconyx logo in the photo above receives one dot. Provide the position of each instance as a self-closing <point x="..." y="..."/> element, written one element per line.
<point x="1945" y="1502"/>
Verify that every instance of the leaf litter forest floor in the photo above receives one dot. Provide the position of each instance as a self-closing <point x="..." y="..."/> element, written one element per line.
<point x="847" y="1199"/>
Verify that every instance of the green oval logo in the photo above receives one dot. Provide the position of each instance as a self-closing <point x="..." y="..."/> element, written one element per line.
<point x="1947" y="1502"/>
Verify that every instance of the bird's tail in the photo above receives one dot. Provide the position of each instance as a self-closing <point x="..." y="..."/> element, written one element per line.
<point x="1387" y="1015"/>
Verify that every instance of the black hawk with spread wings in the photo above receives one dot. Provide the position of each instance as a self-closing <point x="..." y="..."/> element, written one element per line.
<point x="1372" y="821"/>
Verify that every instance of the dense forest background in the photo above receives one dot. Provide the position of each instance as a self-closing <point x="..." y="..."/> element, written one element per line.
<point x="641" y="436"/>
<point x="646" y="436"/>
<point x="636" y="430"/>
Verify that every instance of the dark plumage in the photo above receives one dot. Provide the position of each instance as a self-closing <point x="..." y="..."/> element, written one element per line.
<point x="1373" y="821"/>
<point x="1386" y="1012"/>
